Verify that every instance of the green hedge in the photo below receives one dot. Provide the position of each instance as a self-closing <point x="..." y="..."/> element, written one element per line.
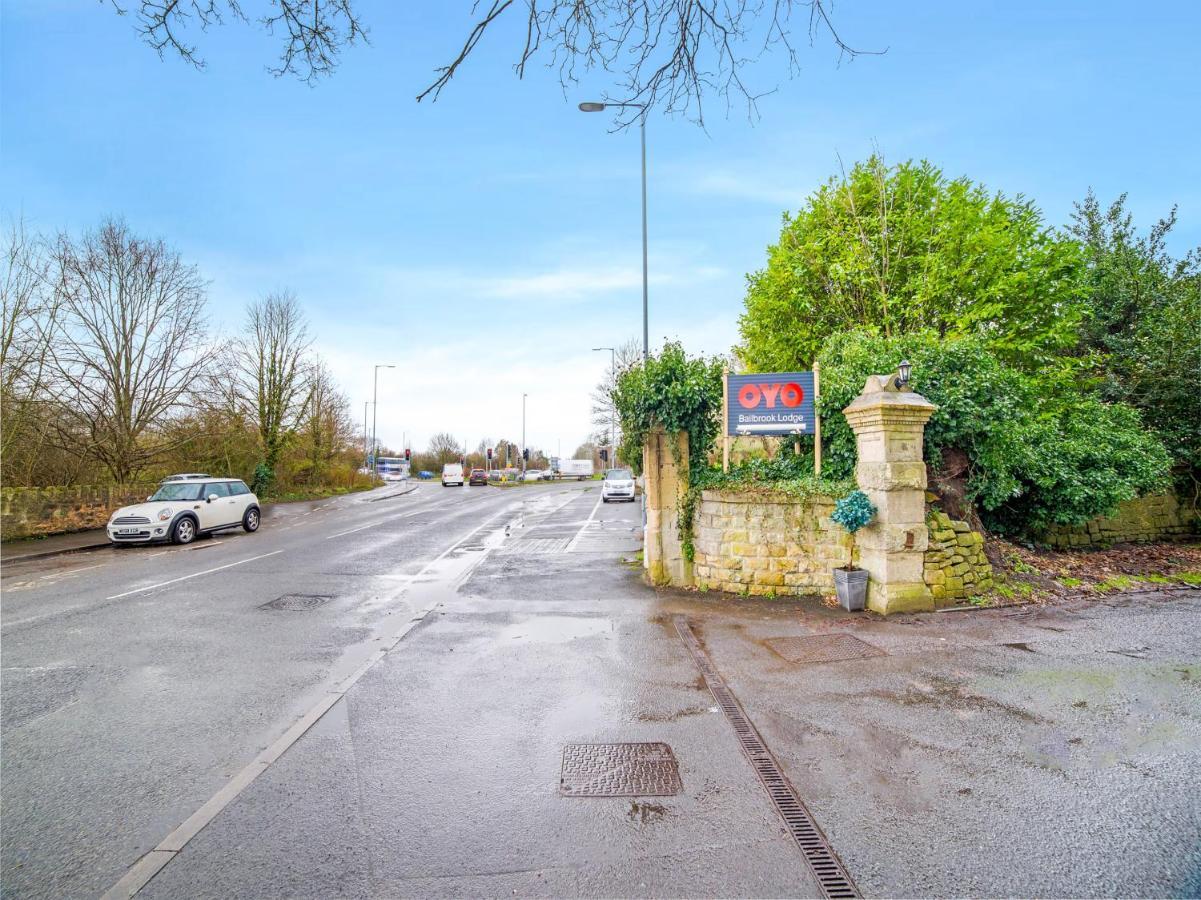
<point x="1041" y="451"/>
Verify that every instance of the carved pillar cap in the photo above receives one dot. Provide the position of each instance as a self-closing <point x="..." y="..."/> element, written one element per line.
<point x="882" y="401"/>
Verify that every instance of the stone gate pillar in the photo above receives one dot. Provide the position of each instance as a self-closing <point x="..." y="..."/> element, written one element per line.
<point x="889" y="423"/>
<point x="666" y="483"/>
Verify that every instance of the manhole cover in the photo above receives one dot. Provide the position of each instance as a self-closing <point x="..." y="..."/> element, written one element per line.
<point x="619" y="770"/>
<point x="297" y="602"/>
<point x="823" y="648"/>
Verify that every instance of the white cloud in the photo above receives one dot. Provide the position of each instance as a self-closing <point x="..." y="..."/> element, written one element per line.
<point x="467" y="342"/>
<point x="781" y="192"/>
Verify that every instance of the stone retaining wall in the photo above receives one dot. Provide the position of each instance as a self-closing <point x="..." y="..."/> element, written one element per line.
<point x="1158" y="517"/>
<point x="955" y="564"/>
<point x="30" y="512"/>
<point x="766" y="544"/>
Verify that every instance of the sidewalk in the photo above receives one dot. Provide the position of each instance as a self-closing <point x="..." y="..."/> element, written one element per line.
<point x="54" y="545"/>
<point x="997" y="753"/>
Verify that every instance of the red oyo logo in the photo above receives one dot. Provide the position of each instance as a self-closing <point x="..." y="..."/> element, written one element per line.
<point x="752" y="395"/>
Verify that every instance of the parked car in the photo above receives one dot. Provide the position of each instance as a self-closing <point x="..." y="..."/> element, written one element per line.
<point x="618" y="485"/>
<point x="425" y="475"/>
<point x="185" y="506"/>
<point x="478" y="476"/>
<point x="452" y="473"/>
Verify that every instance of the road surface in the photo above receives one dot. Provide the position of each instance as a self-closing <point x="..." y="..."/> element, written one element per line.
<point x="401" y="730"/>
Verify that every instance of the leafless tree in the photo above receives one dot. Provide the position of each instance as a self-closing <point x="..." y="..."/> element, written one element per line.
<point x="326" y="422"/>
<point x="130" y="346"/>
<point x="605" y="419"/>
<point x="27" y="323"/>
<point x="662" y="53"/>
<point x="272" y="370"/>
<point x="445" y="448"/>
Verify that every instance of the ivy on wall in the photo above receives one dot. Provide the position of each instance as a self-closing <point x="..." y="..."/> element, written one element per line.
<point x="672" y="390"/>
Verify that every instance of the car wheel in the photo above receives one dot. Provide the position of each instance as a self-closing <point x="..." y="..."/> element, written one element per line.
<point x="251" y="519"/>
<point x="183" y="531"/>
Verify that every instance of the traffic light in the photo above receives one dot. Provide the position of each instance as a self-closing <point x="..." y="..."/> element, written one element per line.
<point x="604" y="455"/>
<point x="408" y="454"/>
<point x="525" y="454"/>
<point x="489" y="453"/>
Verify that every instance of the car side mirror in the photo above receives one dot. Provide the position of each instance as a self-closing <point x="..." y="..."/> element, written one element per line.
<point x="150" y="498"/>
<point x="212" y="497"/>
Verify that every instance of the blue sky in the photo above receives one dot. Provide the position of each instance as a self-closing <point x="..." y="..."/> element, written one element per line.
<point x="486" y="242"/>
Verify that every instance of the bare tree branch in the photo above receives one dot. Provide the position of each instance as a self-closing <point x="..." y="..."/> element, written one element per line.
<point x="665" y="53"/>
<point x="313" y="31"/>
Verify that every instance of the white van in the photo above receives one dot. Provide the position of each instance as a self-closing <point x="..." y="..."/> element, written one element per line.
<point x="452" y="473"/>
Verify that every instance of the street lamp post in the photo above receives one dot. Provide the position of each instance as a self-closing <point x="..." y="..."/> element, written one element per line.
<point x="374" y="416"/>
<point x="613" y="369"/>
<point x="600" y="107"/>
<point x="523" y="396"/>
<point x="366" y="452"/>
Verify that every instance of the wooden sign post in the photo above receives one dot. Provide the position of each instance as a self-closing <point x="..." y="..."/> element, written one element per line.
<point x="725" y="419"/>
<point x="817" y="420"/>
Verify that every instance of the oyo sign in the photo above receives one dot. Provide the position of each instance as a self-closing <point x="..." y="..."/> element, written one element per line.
<point x="753" y="395"/>
<point x="774" y="403"/>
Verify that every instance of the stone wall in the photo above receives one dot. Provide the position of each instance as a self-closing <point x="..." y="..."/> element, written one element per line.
<point x="955" y="564"/>
<point x="766" y="543"/>
<point x="1158" y="517"/>
<point x="30" y="512"/>
<point x="666" y="484"/>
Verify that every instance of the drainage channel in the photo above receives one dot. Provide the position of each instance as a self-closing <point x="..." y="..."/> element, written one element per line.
<point x="814" y="846"/>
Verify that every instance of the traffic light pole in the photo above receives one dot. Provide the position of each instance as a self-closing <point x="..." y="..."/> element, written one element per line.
<point x="524" y="453"/>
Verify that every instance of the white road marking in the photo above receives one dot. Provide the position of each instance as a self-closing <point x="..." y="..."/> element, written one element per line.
<point x="193" y="575"/>
<point x="376" y="522"/>
<point x="579" y="534"/>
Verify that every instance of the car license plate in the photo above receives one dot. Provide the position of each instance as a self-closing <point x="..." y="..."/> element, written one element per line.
<point x="127" y="530"/>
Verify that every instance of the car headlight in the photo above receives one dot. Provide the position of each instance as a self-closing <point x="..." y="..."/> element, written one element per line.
<point x="164" y="514"/>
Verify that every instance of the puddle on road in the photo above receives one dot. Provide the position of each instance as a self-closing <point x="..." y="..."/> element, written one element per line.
<point x="555" y="629"/>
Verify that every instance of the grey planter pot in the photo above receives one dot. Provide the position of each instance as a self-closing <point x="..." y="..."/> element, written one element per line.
<point x="851" y="587"/>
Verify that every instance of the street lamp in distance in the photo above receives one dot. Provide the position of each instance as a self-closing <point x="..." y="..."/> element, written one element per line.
<point x="374" y="416"/>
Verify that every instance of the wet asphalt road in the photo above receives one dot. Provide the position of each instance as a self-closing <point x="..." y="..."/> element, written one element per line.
<point x="1032" y="752"/>
<point x="136" y="681"/>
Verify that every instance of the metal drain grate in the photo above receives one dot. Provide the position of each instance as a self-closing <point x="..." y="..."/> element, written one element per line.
<point x="297" y="602"/>
<point x="619" y="770"/>
<point x="823" y="648"/>
<point x="823" y="861"/>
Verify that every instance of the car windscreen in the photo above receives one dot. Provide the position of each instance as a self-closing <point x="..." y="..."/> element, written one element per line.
<point x="178" y="491"/>
<point x="619" y="475"/>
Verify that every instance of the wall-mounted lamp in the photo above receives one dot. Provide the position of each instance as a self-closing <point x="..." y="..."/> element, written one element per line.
<point x="903" y="371"/>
